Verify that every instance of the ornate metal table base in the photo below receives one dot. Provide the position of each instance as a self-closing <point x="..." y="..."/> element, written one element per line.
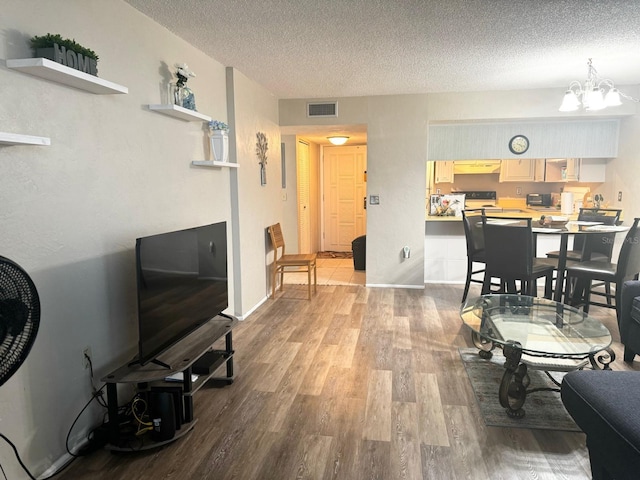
<point x="514" y="386"/>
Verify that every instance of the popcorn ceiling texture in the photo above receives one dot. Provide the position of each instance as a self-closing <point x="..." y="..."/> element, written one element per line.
<point x="338" y="48"/>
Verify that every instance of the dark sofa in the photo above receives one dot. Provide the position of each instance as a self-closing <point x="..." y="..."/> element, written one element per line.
<point x="606" y="404"/>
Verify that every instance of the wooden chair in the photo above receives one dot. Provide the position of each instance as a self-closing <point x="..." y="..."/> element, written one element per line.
<point x="302" y="262"/>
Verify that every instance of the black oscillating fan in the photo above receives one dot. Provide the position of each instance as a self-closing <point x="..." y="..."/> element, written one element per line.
<point x="19" y="317"/>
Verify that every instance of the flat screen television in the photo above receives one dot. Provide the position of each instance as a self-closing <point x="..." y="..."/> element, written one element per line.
<point x="182" y="284"/>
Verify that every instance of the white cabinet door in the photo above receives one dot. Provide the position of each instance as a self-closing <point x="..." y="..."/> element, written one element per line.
<point x="520" y="170"/>
<point x="444" y="172"/>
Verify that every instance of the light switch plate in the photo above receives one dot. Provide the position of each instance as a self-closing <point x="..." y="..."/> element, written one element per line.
<point x="374" y="199"/>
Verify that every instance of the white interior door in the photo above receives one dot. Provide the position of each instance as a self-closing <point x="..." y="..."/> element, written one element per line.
<point x="304" y="211"/>
<point x="344" y="194"/>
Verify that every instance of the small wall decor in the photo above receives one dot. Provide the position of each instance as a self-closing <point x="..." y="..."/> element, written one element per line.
<point x="261" y="151"/>
<point x="219" y="140"/>
<point x="182" y="95"/>
<point x="66" y="52"/>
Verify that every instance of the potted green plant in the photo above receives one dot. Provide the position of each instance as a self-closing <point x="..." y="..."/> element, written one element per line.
<point x="65" y="51"/>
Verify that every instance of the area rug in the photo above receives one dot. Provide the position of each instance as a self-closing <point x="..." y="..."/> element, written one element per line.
<point x="329" y="254"/>
<point x="544" y="410"/>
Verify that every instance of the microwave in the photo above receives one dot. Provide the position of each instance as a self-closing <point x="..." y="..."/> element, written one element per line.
<point x="538" y="199"/>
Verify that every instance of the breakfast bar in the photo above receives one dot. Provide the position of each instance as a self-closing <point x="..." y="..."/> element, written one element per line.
<point x="445" y="244"/>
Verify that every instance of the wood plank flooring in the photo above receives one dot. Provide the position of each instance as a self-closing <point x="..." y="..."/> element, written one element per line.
<point x="357" y="383"/>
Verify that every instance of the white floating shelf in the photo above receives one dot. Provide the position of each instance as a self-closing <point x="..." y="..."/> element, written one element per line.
<point x="180" y="112"/>
<point x="215" y="164"/>
<point x="56" y="72"/>
<point x="17" y="139"/>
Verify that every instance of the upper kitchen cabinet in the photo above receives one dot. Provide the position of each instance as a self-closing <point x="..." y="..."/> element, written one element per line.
<point x="520" y="170"/>
<point x="575" y="170"/>
<point x="444" y="172"/>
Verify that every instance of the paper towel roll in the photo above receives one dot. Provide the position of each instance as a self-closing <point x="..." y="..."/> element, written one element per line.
<point x="566" y="203"/>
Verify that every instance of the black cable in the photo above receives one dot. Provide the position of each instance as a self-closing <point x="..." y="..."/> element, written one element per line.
<point x="15" y="450"/>
<point x="3" y="474"/>
<point x="96" y="394"/>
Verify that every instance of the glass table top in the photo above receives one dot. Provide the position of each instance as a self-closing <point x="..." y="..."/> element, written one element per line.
<point x="539" y="325"/>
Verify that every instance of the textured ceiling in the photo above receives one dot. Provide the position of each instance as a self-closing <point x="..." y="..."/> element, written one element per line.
<point x="338" y="48"/>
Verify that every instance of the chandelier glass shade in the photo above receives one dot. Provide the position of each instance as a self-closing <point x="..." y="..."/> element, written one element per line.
<point x="338" y="139"/>
<point x="595" y="94"/>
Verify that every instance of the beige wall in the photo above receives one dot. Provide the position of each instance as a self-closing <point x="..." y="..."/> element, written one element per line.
<point x="254" y="206"/>
<point x="114" y="171"/>
<point x="398" y="138"/>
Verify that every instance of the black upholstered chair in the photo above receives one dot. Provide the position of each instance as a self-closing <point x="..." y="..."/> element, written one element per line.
<point x="605" y="405"/>
<point x="472" y="222"/>
<point x="592" y="247"/>
<point x="508" y="244"/>
<point x="629" y="321"/>
<point x="581" y="275"/>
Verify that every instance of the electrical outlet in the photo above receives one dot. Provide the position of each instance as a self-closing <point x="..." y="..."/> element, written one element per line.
<point x="518" y="191"/>
<point x="87" y="359"/>
<point x="619" y="196"/>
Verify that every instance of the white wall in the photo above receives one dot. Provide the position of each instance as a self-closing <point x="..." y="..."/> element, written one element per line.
<point x="71" y="212"/>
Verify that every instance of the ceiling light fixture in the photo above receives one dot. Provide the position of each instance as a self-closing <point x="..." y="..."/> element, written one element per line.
<point x="338" y="140"/>
<point x="596" y="93"/>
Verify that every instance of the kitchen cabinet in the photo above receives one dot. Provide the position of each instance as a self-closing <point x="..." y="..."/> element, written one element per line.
<point x="444" y="172"/>
<point x="539" y="170"/>
<point x="520" y="170"/>
<point x="586" y="170"/>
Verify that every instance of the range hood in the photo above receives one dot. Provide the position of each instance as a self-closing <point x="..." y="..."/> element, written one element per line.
<point x="476" y="166"/>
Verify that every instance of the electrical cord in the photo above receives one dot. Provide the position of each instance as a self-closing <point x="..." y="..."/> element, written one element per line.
<point x="98" y="396"/>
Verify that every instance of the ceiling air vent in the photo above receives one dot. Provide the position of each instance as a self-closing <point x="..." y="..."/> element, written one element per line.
<point x="322" y="109"/>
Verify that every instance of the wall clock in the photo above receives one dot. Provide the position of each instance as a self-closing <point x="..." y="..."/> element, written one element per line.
<point x="519" y="144"/>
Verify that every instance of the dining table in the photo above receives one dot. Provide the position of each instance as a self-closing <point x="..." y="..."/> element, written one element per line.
<point x="571" y="228"/>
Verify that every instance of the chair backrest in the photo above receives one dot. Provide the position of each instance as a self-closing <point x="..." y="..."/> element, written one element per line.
<point x="585" y="213"/>
<point x="628" y="265"/>
<point x="472" y="221"/>
<point x="277" y="239"/>
<point x="602" y="244"/>
<point x="508" y="246"/>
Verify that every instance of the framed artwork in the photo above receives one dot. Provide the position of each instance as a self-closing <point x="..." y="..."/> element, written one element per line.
<point x="446" y="205"/>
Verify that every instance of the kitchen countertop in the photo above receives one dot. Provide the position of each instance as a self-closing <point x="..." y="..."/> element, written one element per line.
<point x="511" y="208"/>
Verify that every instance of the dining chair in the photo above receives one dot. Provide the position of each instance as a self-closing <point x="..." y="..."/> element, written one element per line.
<point x="301" y="262"/>
<point x="581" y="275"/>
<point x="592" y="247"/>
<point x="474" y="235"/>
<point x="509" y="256"/>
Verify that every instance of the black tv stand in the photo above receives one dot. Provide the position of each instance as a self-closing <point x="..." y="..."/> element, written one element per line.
<point x="154" y="361"/>
<point x="196" y="347"/>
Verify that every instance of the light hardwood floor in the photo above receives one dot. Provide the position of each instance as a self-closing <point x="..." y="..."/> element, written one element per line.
<point x="357" y="383"/>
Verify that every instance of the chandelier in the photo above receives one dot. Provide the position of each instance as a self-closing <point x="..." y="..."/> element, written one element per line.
<point x="595" y="94"/>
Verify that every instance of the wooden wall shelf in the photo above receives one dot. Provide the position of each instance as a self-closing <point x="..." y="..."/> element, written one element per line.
<point x="180" y="112"/>
<point x="18" y="139"/>
<point x="56" y="72"/>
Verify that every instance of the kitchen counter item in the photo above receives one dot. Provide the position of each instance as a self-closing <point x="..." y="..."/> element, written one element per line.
<point x="566" y="203"/>
<point x="538" y="199"/>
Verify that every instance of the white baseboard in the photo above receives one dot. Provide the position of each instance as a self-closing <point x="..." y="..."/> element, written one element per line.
<point x="383" y="285"/>
<point x="253" y="309"/>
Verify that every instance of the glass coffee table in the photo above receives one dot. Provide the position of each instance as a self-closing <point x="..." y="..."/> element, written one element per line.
<point x="534" y="333"/>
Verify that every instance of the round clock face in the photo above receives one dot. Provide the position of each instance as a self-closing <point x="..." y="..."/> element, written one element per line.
<point x="519" y="144"/>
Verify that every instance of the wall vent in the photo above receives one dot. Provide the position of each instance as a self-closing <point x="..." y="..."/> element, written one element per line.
<point x="322" y="109"/>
